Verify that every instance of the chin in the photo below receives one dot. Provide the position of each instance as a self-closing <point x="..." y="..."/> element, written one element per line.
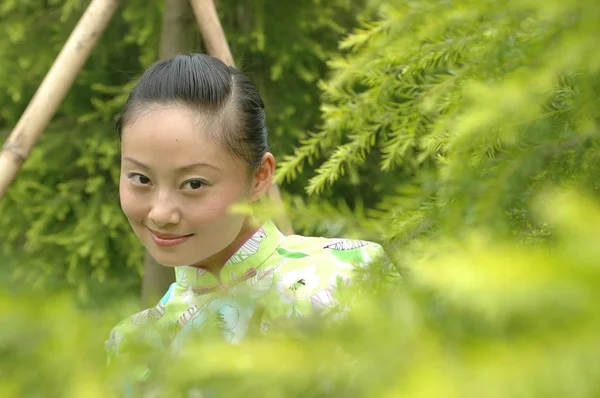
<point x="167" y="261"/>
<point x="170" y="265"/>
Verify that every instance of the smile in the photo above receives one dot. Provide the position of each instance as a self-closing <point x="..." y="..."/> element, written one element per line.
<point x="165" y="239"/>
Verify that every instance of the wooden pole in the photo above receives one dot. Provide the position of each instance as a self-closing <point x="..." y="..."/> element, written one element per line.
<point x="216" y="45"/>
<point x="53" y="89"/>
<point x="211" y="30"/>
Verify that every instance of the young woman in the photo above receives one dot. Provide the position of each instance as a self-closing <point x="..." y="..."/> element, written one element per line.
<point x="194" y="143"/>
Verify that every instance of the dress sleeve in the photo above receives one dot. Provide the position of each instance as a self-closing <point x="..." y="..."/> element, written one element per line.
<point x="379" y="268"/>
<point x="126" y="343"/>
<point x="365" y="265"/>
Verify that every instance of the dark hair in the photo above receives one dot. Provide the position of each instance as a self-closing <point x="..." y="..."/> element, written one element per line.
<point x="205" y="84"/>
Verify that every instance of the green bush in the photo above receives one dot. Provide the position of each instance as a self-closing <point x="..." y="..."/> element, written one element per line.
<point x="477" y="317"/>
<point x="454" y="114"/>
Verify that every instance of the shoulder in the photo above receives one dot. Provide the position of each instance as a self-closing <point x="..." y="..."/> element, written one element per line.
<point x="139" y="329"/>
<point x="308" y="271"/>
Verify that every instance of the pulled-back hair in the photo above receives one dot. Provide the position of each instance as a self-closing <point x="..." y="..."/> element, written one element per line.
<point x="231" y="108"/>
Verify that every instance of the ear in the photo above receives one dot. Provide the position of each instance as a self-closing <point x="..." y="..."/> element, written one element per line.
<point x="263" y="177"/>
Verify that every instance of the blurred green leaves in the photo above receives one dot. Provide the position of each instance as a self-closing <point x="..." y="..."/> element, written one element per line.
<point x="477" y="317"/>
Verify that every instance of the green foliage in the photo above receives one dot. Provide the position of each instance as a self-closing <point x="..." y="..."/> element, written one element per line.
<point x="478" y="317"/>
<point x="284" y="47"/>
<point x="459" y="112"/>
<point x="61" y="217"/>
<point x="51" y="348"/>
<point x="79" y="224"/>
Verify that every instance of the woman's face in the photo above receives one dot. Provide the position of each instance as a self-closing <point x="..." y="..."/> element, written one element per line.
<point x="177" y="187"/>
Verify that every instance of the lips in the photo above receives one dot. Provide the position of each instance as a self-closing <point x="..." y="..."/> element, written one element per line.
<point x="167" y="239"/>
<point x="162" y="235"/>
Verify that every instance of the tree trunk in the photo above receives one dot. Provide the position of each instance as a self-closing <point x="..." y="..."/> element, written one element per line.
<point x="178" y="34"/>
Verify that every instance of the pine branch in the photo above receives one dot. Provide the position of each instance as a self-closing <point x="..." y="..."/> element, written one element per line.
<point x="346" y="156"/>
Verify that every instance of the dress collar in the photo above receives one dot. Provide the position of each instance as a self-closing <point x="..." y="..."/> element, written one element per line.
<point x="251" y="255"/>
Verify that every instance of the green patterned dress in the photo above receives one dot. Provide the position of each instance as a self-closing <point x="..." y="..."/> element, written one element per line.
<point x="270" y="278"/>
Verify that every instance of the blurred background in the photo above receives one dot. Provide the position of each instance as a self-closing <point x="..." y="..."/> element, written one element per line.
<point x="462" y="135"/>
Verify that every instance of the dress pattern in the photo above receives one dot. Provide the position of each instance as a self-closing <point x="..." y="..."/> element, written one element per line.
<point x="286" y="276"/>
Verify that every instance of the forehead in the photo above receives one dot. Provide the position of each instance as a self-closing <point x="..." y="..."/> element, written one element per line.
<point x="173" y="137"/>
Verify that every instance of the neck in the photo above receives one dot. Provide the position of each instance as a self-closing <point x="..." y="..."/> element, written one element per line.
<point x="215" y="263"/>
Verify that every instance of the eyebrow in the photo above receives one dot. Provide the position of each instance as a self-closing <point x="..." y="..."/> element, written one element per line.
<point x="179" y="169"/>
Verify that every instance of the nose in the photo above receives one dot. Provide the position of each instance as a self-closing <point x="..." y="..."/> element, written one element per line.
<point x="164" y="210"/>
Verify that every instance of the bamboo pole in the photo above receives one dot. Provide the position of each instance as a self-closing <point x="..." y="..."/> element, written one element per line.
<point x="53" y="89"/>
<point x="211" y="30"/>
<point x="216" y="45"/>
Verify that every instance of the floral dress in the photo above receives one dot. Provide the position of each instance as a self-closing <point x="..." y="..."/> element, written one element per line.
<point x="270" y="278"/>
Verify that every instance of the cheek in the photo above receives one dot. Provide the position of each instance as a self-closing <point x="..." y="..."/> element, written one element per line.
<point x="132" y="206"/>
<point x="237" y="194"/>
<point x="217" y="207"/>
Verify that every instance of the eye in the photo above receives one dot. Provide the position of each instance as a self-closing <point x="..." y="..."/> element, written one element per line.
<point x="139" y="179"/>
<point x="193" y="185"/>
